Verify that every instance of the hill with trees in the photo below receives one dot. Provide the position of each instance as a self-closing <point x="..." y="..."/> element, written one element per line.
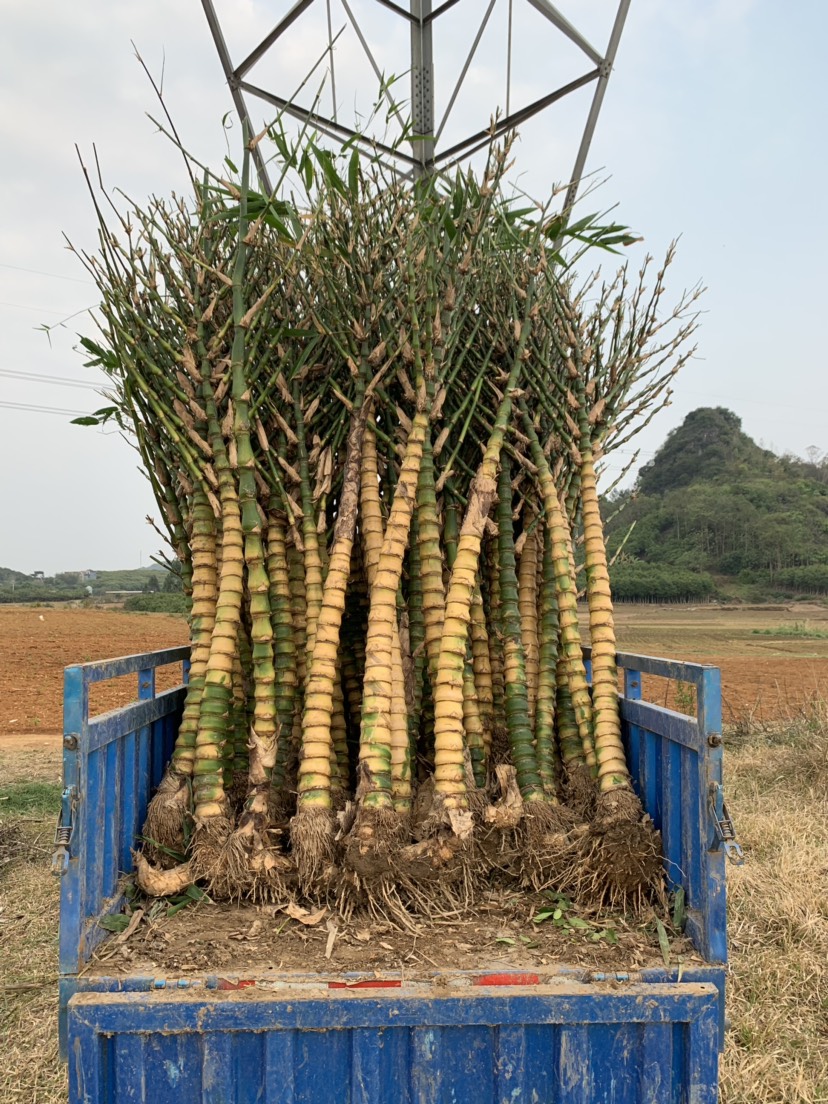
<point x="66" y="586"/>
<point x="713" y="513"/>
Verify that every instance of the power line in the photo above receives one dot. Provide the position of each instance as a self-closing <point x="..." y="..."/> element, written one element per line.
<point x="35" y="409"/>
<point x="36" y="310"/>
<point x="35" y="377"/>
<point x="39" y="272"/>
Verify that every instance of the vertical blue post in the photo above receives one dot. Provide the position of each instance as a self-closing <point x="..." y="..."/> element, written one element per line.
<point x="146" y="684"/>
<point x="132" y="813"/>
<point x="151" y="735"/>
<point x="709" y="715"/>
<point x="632" y="734"/>
<point x="632" y="685"/>
<point x="75" y="714"/>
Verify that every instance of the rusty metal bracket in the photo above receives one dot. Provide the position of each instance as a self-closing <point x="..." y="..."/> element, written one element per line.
<point x="63" y="832"/>
<point x="724" y="827"/>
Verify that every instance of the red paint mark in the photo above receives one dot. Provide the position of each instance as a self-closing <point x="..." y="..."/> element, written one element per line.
<point x="507" y="979"/>
<point x="387" y="983"/>
<point x="247" y="983"/>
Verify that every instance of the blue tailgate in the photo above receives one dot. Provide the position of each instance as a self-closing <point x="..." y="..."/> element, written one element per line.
<point x="569" y="1043"/>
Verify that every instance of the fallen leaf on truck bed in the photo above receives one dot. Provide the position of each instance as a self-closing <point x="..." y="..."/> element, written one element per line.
<point x="305" y="916"/>
<point x="332" y="933"/>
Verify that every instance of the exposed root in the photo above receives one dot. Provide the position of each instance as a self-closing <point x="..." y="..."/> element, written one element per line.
<point x="621" y="859"/>
<point x="312" y="836"/>
<point x="501" y="749"/>
<point x="166" y="814"/>
<point x="435" y="817"/>
<point x="162" y="883"/>
<point x="549" y="844"/>
<point x="441" y="880"/>
<point x="339" y="798"/>
<point x="238" y="790"/>
<point x="498" y="854"/>
<point x="620" y="804"/>
<point x="272" y="876"/>
<point x="376" y="835"/>
<point x="580" y="792"/>
<point x="429" y="860"/>
<point x="378" y="897"/>
<point x="219" y="858"/>
<point x="421" y="808"/>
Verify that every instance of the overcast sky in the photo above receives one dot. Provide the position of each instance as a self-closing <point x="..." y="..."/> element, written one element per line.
<point x="714" y="128"/>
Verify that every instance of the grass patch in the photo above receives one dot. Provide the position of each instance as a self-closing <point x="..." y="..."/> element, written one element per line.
<point x="777" y="1046"/>
<point x="29" y="799"/>
<point x="157" y="603"/>
<point x="30" y="1072"/>
<point x="799" y="630"/>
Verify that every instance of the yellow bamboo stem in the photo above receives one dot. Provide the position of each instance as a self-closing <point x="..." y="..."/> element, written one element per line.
<point x="481" y="661"/>
<point x="379" y="752"/>
<point x="609" y="750"/>
<point x="317" y="742"/>
<point x="528" y="608"/>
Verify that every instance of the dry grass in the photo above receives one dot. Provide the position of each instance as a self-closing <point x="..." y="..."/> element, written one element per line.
<point x="29" y="1072"/>
<point x="777" y="1046"/>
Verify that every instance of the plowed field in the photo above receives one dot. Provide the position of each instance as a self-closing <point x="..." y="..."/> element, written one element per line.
<point x="774" y="661"/>
<point x="37" y="643"/>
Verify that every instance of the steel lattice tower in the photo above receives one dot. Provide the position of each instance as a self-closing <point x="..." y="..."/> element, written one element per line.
<point x="424" y="152"/>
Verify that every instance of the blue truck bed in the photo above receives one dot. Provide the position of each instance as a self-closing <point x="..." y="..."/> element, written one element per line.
<point x="561" y="1035"/>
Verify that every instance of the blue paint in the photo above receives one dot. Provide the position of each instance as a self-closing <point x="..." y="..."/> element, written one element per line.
<point x="638" y="1038"/>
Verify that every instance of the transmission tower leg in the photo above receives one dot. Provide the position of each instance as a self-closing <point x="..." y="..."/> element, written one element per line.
<point x="422" y="86"/>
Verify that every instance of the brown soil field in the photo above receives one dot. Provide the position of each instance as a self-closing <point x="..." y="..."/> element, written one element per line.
<point x="37" y="643"/>
<point x="774" y="660"/>
<point x="764" y="677"/>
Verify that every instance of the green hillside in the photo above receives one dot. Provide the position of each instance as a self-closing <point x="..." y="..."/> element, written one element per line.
<point x="15" y="586"/>
<point x="715" y="513"/>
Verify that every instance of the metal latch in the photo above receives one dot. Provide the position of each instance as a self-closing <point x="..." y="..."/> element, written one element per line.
<point x="63" y="832"/>
<point x="723" y="825"/>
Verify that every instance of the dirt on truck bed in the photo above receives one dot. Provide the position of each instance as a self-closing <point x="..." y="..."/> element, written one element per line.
<point x="504" y="932"/>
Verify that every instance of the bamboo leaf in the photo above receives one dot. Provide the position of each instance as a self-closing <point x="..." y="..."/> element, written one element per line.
<point x="353" y="172"/>
<point x="679" y="909"/>
<point x="546" y="914"/>
<point x="663" y="942"/>
<point x="115" y="923"/>
<point x="326" y="163"/>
